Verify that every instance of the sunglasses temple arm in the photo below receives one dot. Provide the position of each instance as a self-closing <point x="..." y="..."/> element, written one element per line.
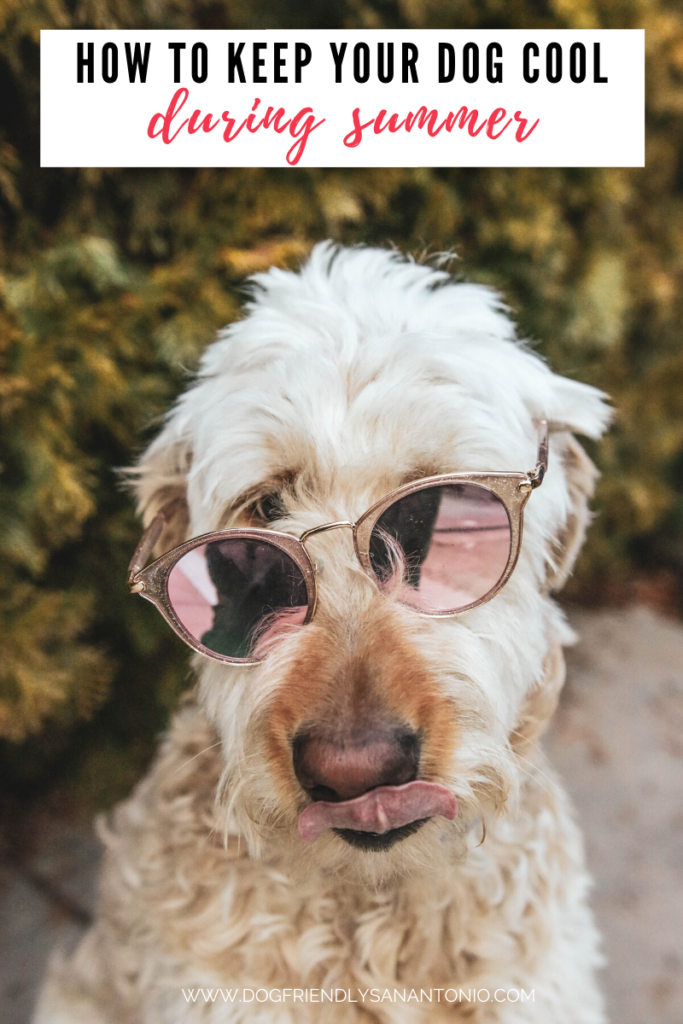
<point x="538" y="473"/>
<point x="144" y="548"/>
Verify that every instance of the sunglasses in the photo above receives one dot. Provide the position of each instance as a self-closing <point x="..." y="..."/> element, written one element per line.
<point x="442" y="545"/>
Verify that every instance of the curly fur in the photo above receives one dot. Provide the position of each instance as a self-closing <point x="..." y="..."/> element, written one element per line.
<point x="342" y="382"/>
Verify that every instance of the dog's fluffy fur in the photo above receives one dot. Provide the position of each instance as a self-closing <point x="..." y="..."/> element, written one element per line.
<point x="342" y="382"/>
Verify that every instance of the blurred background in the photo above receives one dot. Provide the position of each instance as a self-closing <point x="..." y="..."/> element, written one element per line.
<point x="113" y="281"/>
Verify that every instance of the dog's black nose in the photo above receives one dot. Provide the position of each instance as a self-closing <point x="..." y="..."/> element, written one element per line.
<point x="345" y="766"/>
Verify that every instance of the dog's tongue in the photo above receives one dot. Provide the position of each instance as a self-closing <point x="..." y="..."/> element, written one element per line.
<point x="379" y="811"/>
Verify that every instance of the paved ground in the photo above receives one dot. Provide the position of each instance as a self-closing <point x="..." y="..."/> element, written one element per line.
<point x="618" y="741"/>
<point x="46" y="899"/>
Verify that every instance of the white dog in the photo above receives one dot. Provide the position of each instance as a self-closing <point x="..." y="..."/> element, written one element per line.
<point x="351" y="820"/>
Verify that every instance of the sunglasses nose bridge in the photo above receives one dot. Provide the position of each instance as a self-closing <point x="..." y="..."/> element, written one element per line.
<point x="343" y="524"/>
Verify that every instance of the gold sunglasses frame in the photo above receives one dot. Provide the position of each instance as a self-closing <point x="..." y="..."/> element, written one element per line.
<point x="513" y="490"/>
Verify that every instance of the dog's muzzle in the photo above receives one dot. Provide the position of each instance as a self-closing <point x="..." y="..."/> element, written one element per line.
<point x="364" y="785"/>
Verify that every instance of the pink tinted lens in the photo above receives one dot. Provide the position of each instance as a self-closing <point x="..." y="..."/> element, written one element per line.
<point x="232" y="595"/>
<point x="445" y="547"/>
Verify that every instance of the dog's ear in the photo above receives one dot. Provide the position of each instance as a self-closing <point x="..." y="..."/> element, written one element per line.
<point x="580" y="474"/>
<point x="580" y="408"/>
<point x="159" y="481"/>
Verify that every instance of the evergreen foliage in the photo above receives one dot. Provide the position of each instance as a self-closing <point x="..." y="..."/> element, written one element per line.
<point x="112" y="282"/>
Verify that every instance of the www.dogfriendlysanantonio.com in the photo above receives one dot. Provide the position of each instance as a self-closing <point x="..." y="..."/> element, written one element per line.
<point x="348" y="995"/>
<point x="372" y="98"/>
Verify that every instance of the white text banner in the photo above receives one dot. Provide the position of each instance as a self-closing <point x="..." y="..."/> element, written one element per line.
<point x="376" y="98"/>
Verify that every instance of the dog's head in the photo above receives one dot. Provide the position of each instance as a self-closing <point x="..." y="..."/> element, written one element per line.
<point x="343" y="382"/>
